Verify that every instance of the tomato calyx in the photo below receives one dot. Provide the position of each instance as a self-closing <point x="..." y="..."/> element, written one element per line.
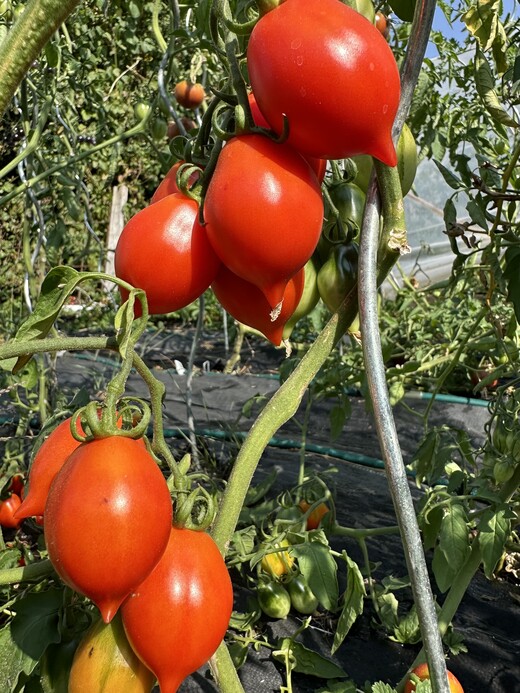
<point x="130" y="419"/>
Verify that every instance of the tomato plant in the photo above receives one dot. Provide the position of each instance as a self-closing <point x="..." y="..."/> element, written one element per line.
<point x="274" y="599"/>
<point x="8" y="508"/>
<point x="263" y="212"/>
<point x="47" y="462"/>
<point x="302" y="597"/>
<point x="164" y="250"/>
<point x="381" y="24"/>
<point x="423" y="674"/>
<point x="104" y="661"/>
<point x="189" y="94"/>
<point x="17" y="485"/>
<point x="107" y="520"/>
<point x="173" y="129"/>
<point x="290" y="50"/>
<point x="177" y="617"/>
<point x="247" y="304"/>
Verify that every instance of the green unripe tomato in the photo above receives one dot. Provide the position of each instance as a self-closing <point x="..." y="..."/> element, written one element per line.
<point x="503" y="471"/>
<point x="302" y="597"/>
<point x="338" y="275"/>
<point x="158" y="129"/>
<point x="274" y="599"/>
<point x="308" y="300"/>
<point x="406" y="163"/>
<point x="142" y="110"/>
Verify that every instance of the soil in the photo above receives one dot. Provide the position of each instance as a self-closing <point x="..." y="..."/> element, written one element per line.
<point x="489" y="615"/>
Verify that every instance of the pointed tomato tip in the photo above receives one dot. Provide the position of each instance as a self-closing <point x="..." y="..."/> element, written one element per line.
<point x="385" y="152"/>
<point x="274" y="293"/>
<point x="26" y="509"/>
<point x="109" y="610"/>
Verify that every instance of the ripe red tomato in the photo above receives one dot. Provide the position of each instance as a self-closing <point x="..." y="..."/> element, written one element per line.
<point x="319" y="166"/>
<point x="17" y="484"/>
<point x="168" y="185"/>
<point x="319" y="61"/>
<point x="263" y="212"/>
<point x="47" y="462"/>
<point x="189" y="94"/>
<point x="107" y="520"/>
<point x="8" y="508"/>
<point x="165" y="251"/>
<point x="422" y="672"/>
<point x="177" y="617"/>
<point x="247" y="304"/>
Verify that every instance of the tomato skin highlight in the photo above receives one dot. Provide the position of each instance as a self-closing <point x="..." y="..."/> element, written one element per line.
<point x="177" y="617"/>
<point x="247" y="304"/>
<point x="298" y="55"/>
<point x="47" y="462"/>
<point x="164" y="250"/>
<point x="263" y="212"/>
<point x="422" y="672"/>
<point x="107" y="520"/>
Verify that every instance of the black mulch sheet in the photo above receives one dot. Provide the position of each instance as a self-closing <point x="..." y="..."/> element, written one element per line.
<point x="489" y="616"/>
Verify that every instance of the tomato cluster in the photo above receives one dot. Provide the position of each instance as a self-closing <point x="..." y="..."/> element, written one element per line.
<point x="109" y="533"/>
<point x="262" y="208"/>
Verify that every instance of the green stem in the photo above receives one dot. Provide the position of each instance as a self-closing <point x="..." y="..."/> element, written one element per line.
<point x="157" y="391"/>
<point x="22" y="45"/>
<point x="359" y="534"/>
<point x="13" y="349"/>
<point x="224" y="671"/>
<point x="304" y="429"/>
<point x="33" y="571"/>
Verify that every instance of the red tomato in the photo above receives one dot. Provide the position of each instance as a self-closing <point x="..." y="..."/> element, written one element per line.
<point x="107" y="520"/>
<point x="16" y="485"/>
<point x="177" y="617"/>
<point x="189" y="94"/>
<point x="263" y="212"/>
<point x="319" y="61"/>
<point x="48" y="461"/>
<point x="173" y="128"/>
<point x="247" y="304"/>
<point x="422" y="672"/>
<point x="165" y="251"/>
<point x="319" y="166"/>
<point x="168" y="185"/>
<point x="381" y="24"/>
<point x="8" y="509"/>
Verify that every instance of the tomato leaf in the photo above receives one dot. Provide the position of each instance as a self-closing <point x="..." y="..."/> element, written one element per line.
<point x="320" y="569"/>
<point x="56" y="288"/>
<point x="25" y="638"/>
<point x="306" y="661"/>
<point x="338" y="687"/>
<point x="485" y="85"/>
<point x="450" y="178"/>
<point x="494" y="529"/>
<point x="444" y="573"/>
<point x="483" y="22"/>
<point x="380" y="687"/>
<point x="353" y="599"/>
